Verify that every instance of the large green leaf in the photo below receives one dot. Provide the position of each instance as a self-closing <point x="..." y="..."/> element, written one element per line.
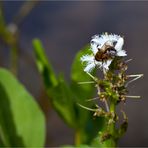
<point x="58" y="91"/>
<point x="22" y="122"/>
<point x="43" y="65"/>
<point x="83" y="92"/>
<point x="78" y="75"/>
<point x="65" y="98"/>
<point x="63" y="101"/>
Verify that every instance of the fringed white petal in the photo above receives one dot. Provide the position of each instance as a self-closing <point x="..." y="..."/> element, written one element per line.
<point x="121" y="53"/>
<point x="87" y="58"/>
<point x="119" y="44"/>
<point x="91" y="63"/>
<point x="97" y="42"/>
<point x="89" y="67"/>
<point x="94" y="48"/>
<point x="100" y="40"/>
<point x="106" y="64"/>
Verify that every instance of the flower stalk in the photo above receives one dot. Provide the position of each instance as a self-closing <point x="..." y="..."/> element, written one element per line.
<point x="108" y="55"/>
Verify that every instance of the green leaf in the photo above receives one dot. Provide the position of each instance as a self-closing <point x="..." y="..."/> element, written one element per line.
<point x="43" y="65"/>
<point x="88" y="126"/>
<point x="22" y="122"/>
<point x="57" y="89"/>
<point x="82" y="92"/>
<point x="65" y="98"/>
<point x="63" y="101"/>
<point x="78" y="75"/>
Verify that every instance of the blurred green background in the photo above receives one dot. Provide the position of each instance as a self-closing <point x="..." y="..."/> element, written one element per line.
<point x="64" y="28"/>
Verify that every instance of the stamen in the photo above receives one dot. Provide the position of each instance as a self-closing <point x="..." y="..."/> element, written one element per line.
<point x="124" y="115"/>
<point x="98" y="89"/>
<point x="95" y="79"/>
<point x="98" y="106"/>
<point x="93" y="99"/>
<point x="138" y="76"/>
<point x="128" y="60"/>
<point x="136" y="97"/>
<point x="89" y="82"/>
<point x="106" y="105"/>
<point x="90" y="109"/>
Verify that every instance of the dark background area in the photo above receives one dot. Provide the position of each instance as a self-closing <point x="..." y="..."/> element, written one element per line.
<point x="64" y="28"/>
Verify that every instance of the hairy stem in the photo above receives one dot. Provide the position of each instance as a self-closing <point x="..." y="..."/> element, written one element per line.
<point x="112" y="126"/>
<point x="77" y="137"/>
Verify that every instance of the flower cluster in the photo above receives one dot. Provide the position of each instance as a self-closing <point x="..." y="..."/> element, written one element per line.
<point x="109" y="45"/>
<point x="107" y="53"/>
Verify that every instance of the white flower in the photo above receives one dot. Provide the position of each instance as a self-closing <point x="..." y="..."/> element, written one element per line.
<point x="97" y="42"/>
<point x="91" y="62"/>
